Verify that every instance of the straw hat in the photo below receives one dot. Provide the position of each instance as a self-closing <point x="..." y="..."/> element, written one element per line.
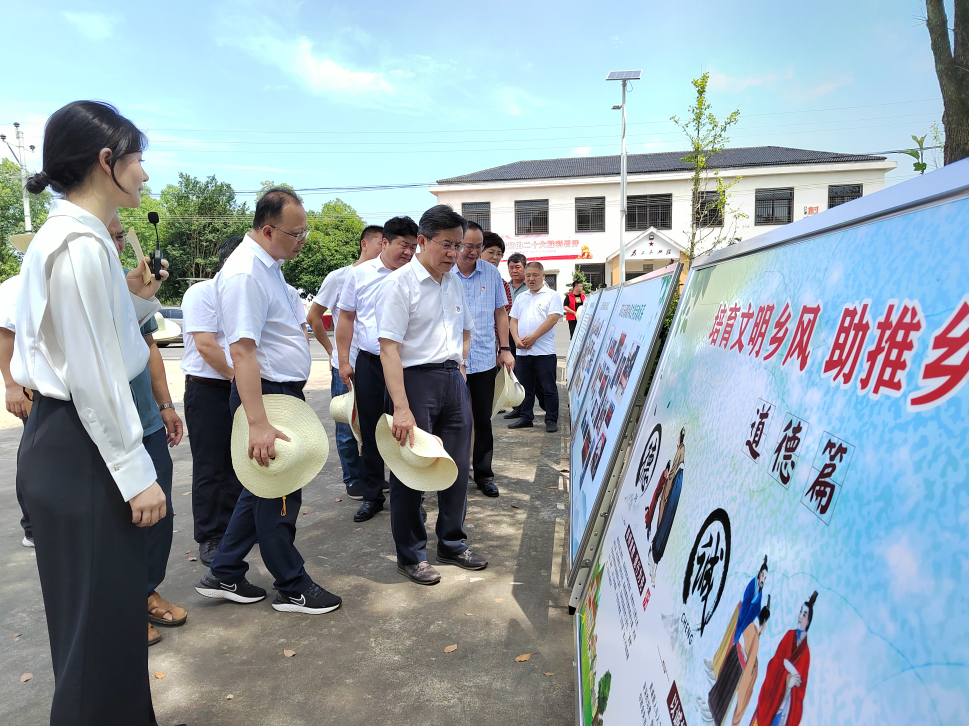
<point x="20" y="242"/>
<point x="343" y="409"/>
<point x="297" y="461"/>
<point x="508" y="391"/>
<point x="426" y="466"/>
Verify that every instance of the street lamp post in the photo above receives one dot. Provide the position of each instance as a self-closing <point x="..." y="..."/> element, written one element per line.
<point x="21" y="160"/>
<point x="623" y="76"/>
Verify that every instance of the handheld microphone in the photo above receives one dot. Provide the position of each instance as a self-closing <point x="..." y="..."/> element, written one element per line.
<point x="156" y="265"/>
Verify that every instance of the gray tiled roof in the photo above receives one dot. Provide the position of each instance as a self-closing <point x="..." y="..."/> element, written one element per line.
<point x="652" y="163"/>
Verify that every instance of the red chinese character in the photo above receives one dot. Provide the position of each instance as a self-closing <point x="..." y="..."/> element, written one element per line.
<point x="718" y="323"/>
<point x="893" y="349"/>
<point x="947" y="344"/>
<point x="745" y="318"/>
<point x="761" y="326"/>
<point x="801" y="342"/>
<point x="849" y="341"/>
<point x="728" y="325"/>
<point x="779" y="335"/>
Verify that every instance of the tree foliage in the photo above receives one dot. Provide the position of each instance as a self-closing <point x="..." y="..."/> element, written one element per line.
<point x="952" y="70"/>
<point x="12" y="215"/>
<point x="334" y="242"/>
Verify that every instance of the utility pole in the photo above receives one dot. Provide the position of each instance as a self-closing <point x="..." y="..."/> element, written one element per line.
<point x="623" y="76"/>
<point x="21" y="160"/>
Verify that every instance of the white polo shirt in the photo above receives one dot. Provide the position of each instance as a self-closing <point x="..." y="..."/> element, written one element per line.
<point x="255" y="302"/>
<point x="427" y="318"/>
<point x="329" y="298"/>
<point x="359" y="296"/>
<point x="200" y="314"/>
<point x="9" y="289"/>
<point x="531" y="309"/>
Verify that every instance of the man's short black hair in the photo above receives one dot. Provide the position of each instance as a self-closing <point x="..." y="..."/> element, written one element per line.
<point x="519" y="258"/>
<point x="227" y="248"/>
<point x="535" y="264"/>
<point x="439" y="218"/>
<point x="493" y="239"/>
<point x="370" y="230"/>
<point x="399" y="227"/>
<point x="269" y="208"/>
<point x="474" y="225"/>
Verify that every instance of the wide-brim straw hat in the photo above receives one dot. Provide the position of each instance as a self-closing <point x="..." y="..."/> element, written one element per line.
<point x="425" y="466"/>
<point x="297" y="461"/>
<point x="343" y="409"/>
<point x="508" y="391"/>
<point x="21" y="242"/>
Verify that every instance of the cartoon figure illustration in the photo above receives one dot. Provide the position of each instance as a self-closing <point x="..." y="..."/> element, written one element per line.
<point x="743" y="615"/>
<point x="585" y="253"/>
<point x="738" y="674"/>
<point x="781" y="700"/>
<point x="660" y="485"/>
<point x="668" y="494"/>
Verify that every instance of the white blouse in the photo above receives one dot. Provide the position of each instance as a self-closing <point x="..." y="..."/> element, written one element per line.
<point x="78" y="337"/>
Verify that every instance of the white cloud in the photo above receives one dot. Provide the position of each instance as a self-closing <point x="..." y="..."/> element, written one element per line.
<point x="581" y="151"/>
<point x="723" y="82"/>
<point x="94" y="26"/>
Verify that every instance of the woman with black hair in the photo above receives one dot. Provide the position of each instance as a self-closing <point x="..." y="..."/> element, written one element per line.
<point x="87" y="479"/>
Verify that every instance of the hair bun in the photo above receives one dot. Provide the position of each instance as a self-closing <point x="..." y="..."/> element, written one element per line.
<point x="38" y="182"/>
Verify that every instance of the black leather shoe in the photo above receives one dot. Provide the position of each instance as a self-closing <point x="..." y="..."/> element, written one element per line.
<point x="467" y="559"/>
<point x="487" y="487"/>
<point x="207" y="551"/>
<point x="514" y="413"/>
<point x="551" y="427"/>
<point x="367" y="511"/>
<point x="520" y="424"/>
<point x="422" y="573"/>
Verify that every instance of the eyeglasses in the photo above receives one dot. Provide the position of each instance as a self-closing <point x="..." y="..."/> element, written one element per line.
<point x="472" y="248"/>
<point x="448" y="246"/>
<point x="299" y="237"/>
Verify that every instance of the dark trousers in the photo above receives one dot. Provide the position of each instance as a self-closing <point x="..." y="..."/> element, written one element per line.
<point x="370" y="387"/>
<point x="160" y="534"/>
<point x="537" y="373"/>
<point x="481" y="387"/>
<point x="92" y="562"/>
<point x="24" y="517"/>
<point x="261" y="520"/>
<point x="441" y="406"/>
<point x="215" y="487"/>
<point x="572" y="324"/>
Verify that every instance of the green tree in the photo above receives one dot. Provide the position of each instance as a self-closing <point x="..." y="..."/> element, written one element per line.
<point x="137" y="220"/>
<point x="602" y="697"/>
<point x="710" y="195"/>
<point x="12" y="215"/>
<point x="334" y="242"/>
<point x="952" y="70"/>
<point x="578" y="276"/>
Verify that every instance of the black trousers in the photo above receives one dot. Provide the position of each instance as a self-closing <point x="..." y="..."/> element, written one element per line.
<point x="160" y="534"/>
<point x="441" y="406"/>
<point x="537" y="373"/>
<point x="215" y="487"/>
<point x="572" y="324"/>
<point x="24" y="517"/>
<point x="261" y="520"/>
<point x="481" y="387"/>
<point x="92" y="562"/>
<point x="370" y="388"/>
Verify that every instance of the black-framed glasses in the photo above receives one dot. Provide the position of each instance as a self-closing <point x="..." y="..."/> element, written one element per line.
<point x="298" y="237"/>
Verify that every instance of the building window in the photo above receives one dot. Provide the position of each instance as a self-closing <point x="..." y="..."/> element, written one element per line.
<point x="595" y="275"/>
<point x="709" y="213"/>
<point x="531" y="216"/>
<point x="841" y="193"/>
<point x="551" y="279"/>
<point x="479" y="212"/>
<point x="649" y="210"/>
<point x="774" y="206"/>
<point x="590" y="214"/>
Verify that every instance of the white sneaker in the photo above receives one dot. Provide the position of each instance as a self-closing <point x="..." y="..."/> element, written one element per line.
<point x="27" y="541"/>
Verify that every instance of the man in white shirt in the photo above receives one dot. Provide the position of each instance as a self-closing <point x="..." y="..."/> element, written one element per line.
<point x="533" y="317"/>
<point x="484" y="292"/>
<point x="263" y="324"/>
<point x="328" y="298"/>
<point x="208" y="380"/>
<point x="359" y="349"/>
<point x="425" y="335"/>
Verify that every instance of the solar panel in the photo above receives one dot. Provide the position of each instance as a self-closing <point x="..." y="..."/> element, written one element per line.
<point x="624" y="76"/>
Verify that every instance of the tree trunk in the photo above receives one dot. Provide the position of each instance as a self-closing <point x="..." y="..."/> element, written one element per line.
<point x="952" y="70"/>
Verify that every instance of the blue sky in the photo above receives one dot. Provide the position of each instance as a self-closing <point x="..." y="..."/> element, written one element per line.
<point x="378" y="93"/>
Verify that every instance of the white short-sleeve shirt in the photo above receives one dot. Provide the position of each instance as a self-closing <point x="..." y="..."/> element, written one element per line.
<point x="9" y="289"/>
<point x="359" y="296"/>
<point x="531" y="309"/>
<point x="329" y="298"/>
<point x="428" y="318"/>
<point x="200" y="314"/>
<point x="255" y="302"/>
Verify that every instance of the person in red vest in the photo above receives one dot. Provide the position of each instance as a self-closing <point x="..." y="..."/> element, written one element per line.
<point x="572" y="302"/>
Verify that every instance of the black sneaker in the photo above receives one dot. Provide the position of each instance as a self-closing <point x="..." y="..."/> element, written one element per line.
<point x="314" y="601"/>
<point x="244" y="592"/>
<point x="355" y="491"/>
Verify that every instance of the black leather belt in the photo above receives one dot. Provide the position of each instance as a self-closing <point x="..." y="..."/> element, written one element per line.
<point x="216" y="382"/>
<point x="448" y="365"/>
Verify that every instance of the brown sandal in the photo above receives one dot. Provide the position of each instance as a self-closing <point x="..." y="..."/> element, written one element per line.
<point x="158" y="607"/>
<point x="153" y="635"/>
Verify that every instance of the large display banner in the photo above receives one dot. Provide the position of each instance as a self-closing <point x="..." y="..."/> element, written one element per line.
<point x="611" y="392"/>
<point x="586" y="313"/>
<point x="789" y="540"/>
<point x="589" y="353"/>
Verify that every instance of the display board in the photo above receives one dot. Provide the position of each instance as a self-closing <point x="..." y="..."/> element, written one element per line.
<point x="615" y="385"/>
<point x="586" y="312"/>
<point x="789" y="538"/>
<point x="589" y="353"/>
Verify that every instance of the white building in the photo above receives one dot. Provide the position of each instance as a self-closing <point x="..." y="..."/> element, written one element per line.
<point x="565" y="212"/>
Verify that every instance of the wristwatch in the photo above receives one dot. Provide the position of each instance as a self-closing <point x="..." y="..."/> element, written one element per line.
<point x="505" y="347"/>
<point x="163" y="406"/>
<point x="465" y="362"/>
